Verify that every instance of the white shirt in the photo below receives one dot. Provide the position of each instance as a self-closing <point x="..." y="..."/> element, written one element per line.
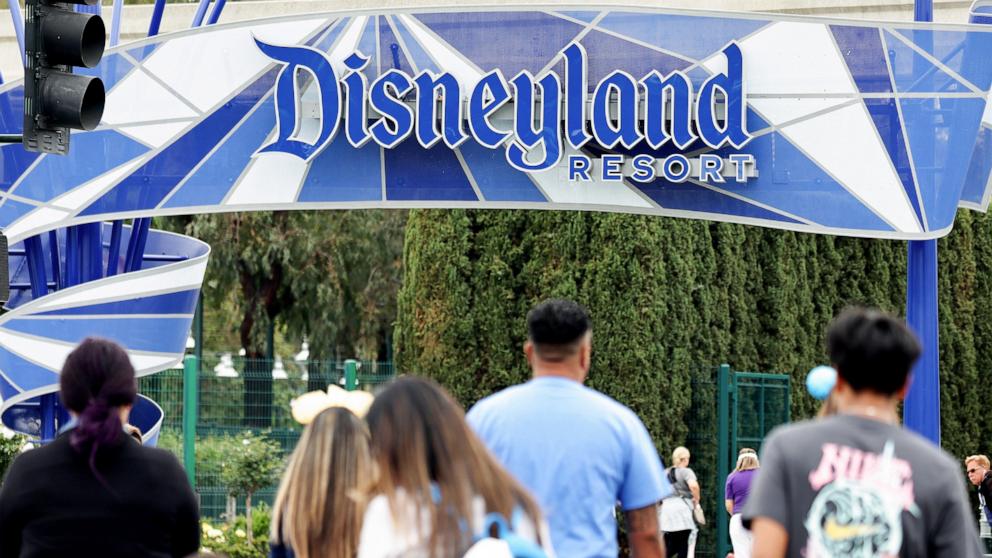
<point x="382" y="537"/>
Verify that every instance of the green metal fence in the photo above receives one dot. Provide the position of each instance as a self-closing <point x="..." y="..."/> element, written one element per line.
<point x="736" y="410"/>
<point x="234" y="395"/>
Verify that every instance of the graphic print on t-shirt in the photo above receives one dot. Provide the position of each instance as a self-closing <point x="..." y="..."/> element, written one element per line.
<point x="861" y="497"/>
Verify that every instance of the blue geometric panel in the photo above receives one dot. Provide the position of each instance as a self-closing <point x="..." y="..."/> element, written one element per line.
<point x="413" y="48"/>
<point x="608" y="54"/>
<point x="215" y="178"/>
<point x="142" y="52"/>
<point x="12" y="210"/>
<point x="497" y="180"/>
<point x="581" y="15"/>
<point x="513" y="41"/>
<point x="343" y="173"/>
<point x="367" y="45"/>
<point x="324" y="42"/>
<point x="914" y="73"/>
<point x="392" y="54"/>
<point x="415" y="173"/>
<point x="141" y="334"/>
<point x="789" y="181"/>
<point x="690" y="197"/>
<point x="14" y="160"/>
<point x="964" y="53"/>
<point x="865" y="57"/>
<point x="25" y="374"/>
<point x="942" y="135"/>
<point x="182" y="302"/>
<point x="145" y="188"/>
<point x="980" y="169"/>
<point x="93" y="153"/>
<point x="111" y="70"/>
<point x="885" y="115"/>
<point x="681" y="34"/>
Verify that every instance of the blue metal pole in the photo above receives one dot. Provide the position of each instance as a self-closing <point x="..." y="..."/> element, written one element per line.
<point x="114" y="252"/>
<point x="215" y="13"/>
<point x="156" y="22"/>
<point x="17" y="19"/>
<point x="53" y="250"/>
<point x="115" y="25"/>
<point x="91" y="251"/>
<point x="201" y="11"/>
<point x="921" y="411"/>
<point x="35" y="253"/>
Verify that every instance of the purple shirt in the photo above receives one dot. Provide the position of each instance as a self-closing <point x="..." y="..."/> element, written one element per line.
<point x="739" y="486"/>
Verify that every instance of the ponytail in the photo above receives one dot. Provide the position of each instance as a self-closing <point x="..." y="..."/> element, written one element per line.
<point x="97" y="379"/>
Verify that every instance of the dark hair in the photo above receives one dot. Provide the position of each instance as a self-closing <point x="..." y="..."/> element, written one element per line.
<point x="96" y="379"/>
<point x="871" y="350"/>
<point x="555" y="327"/>
<point x="422" y="443"/>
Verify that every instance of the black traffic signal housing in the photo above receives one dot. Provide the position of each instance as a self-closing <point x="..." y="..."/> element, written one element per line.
<point x="57" y="38"/>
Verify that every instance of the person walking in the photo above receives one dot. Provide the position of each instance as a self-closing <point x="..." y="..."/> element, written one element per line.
<point x="577" y="450"/>
<point x="675" y="514"/>
<point x="319" y="506"/>
<point x="737" y="490"/>
<point x="93" y="491"/>
<point x="980" y="476"/>
<point x="857" y="483"/>
<point x="438" y="487"/>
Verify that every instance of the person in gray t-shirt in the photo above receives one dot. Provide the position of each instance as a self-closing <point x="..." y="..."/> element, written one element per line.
<point x="857" y="484"/>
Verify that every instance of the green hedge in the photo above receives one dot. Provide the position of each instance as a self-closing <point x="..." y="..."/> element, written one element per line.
<point x="669" y="297"/>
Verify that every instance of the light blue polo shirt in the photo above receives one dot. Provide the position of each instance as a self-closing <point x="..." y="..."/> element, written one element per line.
<point x="579" y="452"/>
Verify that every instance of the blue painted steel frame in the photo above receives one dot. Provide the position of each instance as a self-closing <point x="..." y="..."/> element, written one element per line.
<point x="921" y="411"/>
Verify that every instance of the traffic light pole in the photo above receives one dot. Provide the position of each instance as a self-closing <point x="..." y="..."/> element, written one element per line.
<point x="11" y="138"/>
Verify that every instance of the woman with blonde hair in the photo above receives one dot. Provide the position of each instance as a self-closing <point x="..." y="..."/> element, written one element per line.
<point x="436" y="480"/>
<point x="737" y="490"/>
<point x="318" y="509"/>
<point x="676" y="515"/>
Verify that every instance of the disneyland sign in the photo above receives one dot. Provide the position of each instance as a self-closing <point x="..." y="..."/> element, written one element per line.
<point x="547" y="111"/>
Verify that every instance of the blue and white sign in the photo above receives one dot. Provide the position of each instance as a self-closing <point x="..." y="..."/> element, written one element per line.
<point x="810" y="124"/>
<point x="801" y="123"/>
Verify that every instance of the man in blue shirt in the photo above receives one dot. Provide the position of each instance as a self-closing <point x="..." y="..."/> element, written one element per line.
<point x="578" y="451"/>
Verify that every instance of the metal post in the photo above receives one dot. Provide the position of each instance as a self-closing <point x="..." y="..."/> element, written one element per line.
<point x="921" y="411"/>
<point x="198" y="332"/>
<point x="201" y="11"/>
<point x="351" y="374"/>
<point x="114" y="251"/>
<point x="191" y="388"/>
<point x="17" y="20"/>
<point x="156" y="21"/>
<point x="722" y="456"/>
<point x="215" y="13"/>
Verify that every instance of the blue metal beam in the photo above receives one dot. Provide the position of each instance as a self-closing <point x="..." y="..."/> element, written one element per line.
<point x="156" y="21"/>
<point x="17" y="19"/>
<point x="215" y="13"/>
<point x="201" y="11"/>
<point x="921" y="411"/>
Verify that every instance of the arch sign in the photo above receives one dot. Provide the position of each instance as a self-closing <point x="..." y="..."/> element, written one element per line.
<point x="810" y="124"/>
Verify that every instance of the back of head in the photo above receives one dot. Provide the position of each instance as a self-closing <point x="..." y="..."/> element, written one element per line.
<point x="747" y="459"/>
<point x="97" y="379"/>
<point x="556" y="327"/>
<point x="421" y="443"/>
<point x="318" y="509"/>
<point x="679" y="455"/>
<point x="871" y="350"/>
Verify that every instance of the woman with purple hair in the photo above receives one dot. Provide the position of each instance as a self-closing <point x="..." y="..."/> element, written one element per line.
<point x="93" y="491"/>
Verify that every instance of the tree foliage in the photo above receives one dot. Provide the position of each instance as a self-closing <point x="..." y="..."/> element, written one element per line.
<point x="329" y="276"/>
<point x="670" y="298"/>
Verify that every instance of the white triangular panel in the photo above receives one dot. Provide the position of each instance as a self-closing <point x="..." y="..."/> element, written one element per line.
<point x="206" y="68"/>
<point x="140" y="94"/>
<point x="845" y="144"/>
<point x="273" y="177"/>
<point x="82" y="196"/>
<point x="155" y="135"/>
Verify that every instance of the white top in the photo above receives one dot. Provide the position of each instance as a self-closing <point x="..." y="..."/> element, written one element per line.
<point x="382" y="537"/>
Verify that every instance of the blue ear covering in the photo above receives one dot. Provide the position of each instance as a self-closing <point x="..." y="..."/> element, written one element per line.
<point x="820" y="381"/>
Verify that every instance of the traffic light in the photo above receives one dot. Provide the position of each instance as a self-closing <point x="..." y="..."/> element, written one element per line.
<point x="57" y="38"/>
